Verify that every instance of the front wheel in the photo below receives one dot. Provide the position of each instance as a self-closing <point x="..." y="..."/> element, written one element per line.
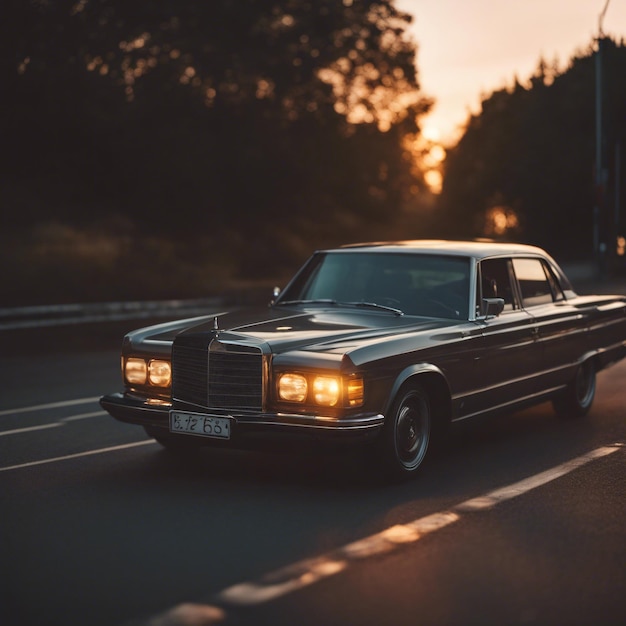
<point x="407" y="433"/>
<point x="576" y="399"/>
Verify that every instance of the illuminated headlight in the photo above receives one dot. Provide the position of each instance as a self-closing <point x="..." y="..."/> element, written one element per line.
<point x="326" y="390"/>
<point x="292" y="388"/>
<point x="156" y="372"/>
<point x="136" y="371"/>
<point x="323" y="390"/>
<point x="159" y="373"/>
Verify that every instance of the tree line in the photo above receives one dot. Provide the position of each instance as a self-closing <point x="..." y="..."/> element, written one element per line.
<point x="162" y="149"/>
<point x="255" y="126"/>
<point x="524" y="167"/>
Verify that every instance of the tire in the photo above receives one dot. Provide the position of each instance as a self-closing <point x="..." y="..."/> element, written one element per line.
<point x="576" y="399"/>
<point x="407" y="433"/>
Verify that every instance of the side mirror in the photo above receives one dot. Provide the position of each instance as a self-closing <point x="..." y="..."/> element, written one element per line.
<point x="492" y="307"/>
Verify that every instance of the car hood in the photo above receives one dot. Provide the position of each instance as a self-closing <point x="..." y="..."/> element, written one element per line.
<point x="286" y="328"/>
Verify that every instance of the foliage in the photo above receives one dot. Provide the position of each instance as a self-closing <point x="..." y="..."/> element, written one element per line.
<point x="524" y="167"/>
<point x="259" y="125"/>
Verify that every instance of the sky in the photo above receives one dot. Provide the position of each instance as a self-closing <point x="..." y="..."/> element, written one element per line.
<point x="469" y="48"/>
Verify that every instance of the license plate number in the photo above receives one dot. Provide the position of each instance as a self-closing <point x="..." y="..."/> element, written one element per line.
<point x="199" y="424"/>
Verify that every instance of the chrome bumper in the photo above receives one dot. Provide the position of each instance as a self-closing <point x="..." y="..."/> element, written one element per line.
<point x="155" y="413"/>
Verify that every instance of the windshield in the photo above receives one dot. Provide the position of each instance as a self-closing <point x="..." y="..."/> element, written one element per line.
<point x="429" y="285"/>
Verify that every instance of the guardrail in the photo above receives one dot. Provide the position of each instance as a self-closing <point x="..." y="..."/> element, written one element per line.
<point x="69" y="314"/>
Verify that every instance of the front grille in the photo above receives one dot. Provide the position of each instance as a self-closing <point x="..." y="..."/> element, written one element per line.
<point x="235" y="376"/>
<point x="190" y="369"/>
<point x="219" y="375"/>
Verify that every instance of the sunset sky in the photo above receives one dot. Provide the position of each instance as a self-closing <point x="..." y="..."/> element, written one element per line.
<point x="471" y="47"/>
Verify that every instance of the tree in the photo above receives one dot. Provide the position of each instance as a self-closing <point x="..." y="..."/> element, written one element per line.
<point x="527" y="159"/>
<point x="250" y="120"/>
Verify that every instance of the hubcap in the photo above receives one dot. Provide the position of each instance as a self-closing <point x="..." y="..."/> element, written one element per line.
<point x="412" y="431"/>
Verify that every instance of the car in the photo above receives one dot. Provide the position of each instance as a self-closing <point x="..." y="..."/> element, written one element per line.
<point x="383" y="345"/>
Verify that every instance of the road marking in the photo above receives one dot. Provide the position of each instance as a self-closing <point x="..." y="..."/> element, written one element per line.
<point x="309" y="571"/>
<point x="517" y="489"/>
<point x="28" y="429"/>
<point x="82" y="416"/>
<point x="51" y="405"/>
<point x="60" y="422"/>
<point x="79" y="455"/>
<point x="303" y="573"/>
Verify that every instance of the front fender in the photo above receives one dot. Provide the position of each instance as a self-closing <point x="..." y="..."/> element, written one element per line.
<point x="434" y="382"/>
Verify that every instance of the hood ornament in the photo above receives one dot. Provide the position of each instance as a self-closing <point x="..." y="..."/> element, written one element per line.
<point x="215" y="325"/>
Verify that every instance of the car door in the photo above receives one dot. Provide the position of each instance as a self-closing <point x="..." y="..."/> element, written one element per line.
<point x="561" y="328"/>
<point x="505" y="365"/>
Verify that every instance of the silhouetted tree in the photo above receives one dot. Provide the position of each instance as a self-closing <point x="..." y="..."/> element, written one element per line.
<point x="529" y="156"/>
<point x="246" y="119"/>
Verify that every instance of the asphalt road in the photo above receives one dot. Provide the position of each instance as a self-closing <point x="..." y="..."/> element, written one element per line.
<point x="520" y="520"/>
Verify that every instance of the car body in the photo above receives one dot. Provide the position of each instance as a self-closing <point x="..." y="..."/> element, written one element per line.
<point x="384" y="344"/>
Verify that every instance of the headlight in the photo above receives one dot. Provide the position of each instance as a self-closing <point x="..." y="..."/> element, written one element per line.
<point x="159" y="373"/>
<point x="292" y="388"/>
<point x="326" y="390"/>
<point x="156" y="372"/>
<point x="321" y="389"/>
<point x="136" y="371"/>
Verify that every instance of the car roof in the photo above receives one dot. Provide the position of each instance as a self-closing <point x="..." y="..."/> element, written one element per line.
<point x="477" y="249"/>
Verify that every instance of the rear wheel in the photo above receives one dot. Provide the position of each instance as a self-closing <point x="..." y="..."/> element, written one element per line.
<point x="576" y="399"/>
<point x="407" y="433"/>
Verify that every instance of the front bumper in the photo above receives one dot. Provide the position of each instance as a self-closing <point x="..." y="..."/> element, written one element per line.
<point x="154" y="413"/>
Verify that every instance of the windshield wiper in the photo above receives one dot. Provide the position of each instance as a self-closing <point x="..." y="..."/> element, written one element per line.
<point x="375" y="305"/>
<point x="320" y="301"/>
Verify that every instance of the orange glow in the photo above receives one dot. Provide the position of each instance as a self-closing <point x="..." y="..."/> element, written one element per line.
<point x="427" y="156"/>
<point x="326" y="390"/>
<point x="500" y="220"/>
<point x="434" y="180"/>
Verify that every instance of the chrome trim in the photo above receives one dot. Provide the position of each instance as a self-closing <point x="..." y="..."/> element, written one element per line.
<point x="367" y="422"/>
<point x="521" y="400"/>
<point x="142" y="406"/>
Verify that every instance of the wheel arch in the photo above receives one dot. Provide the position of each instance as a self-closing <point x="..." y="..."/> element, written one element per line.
<point x="434" y="382"/>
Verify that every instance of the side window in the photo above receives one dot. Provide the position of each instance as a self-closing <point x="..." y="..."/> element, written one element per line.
<point x="554" y="284"/>
<point x="534" y="282"/>
<point x="494" y="281"/>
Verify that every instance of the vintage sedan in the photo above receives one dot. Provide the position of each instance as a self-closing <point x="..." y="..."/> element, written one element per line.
<point x="384" y="344"/>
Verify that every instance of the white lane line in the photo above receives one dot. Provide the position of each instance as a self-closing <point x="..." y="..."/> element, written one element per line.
<point x="79" y="455"/>
<point x="28" y="429"/>
<point x="493" y="498"/>
<point x="60" y="422"/>
<point x="82" y="416"/>
<point x="51" y="405"/>
<point x="309" y="571"/>
<point x="303" y="573"/>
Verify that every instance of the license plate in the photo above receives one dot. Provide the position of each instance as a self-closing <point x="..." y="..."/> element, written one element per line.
<point x="199" y="424"/>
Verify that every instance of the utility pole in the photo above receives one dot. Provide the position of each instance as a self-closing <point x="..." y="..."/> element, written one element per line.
<point x="599" y="230"/>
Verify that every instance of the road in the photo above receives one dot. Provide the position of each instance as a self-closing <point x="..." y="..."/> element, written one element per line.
<point x="520" y="520"/>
